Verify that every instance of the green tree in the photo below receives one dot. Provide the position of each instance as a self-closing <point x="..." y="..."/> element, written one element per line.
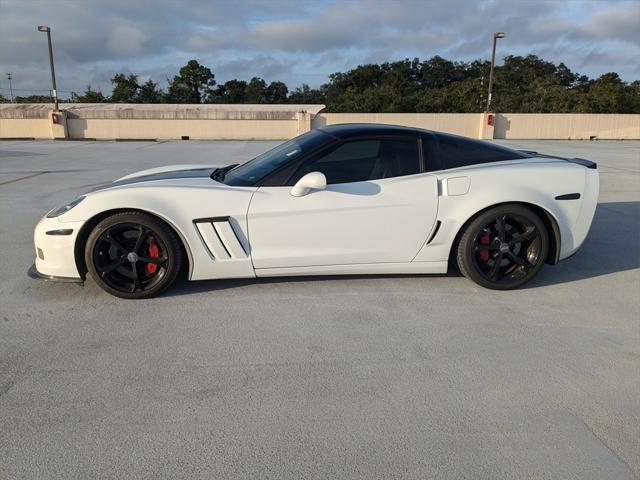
<point x="306" y="94"/>
<point x="255" y="91"/>
<point x="150" y="93"/>
<point x="276" y="92"/>
<point x="607" y="94"/>
<point x="125" y="88"/>
<point x="193" y="84"/>
<point x="521" y="84"/>
<point x="438" y="72"/>
<point x="33" y="99"/>
<point x="89" y="96"/>
<point x="633" y="95"/>
<point x="233" y="91"/>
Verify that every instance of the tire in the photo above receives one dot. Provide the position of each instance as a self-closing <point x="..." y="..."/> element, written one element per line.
<point x="503" y="248"/>
<point x="133" y="255"/>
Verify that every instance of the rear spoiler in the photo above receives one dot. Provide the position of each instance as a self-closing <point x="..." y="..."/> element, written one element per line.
<point x="583" y="162"/>
<point x="580" y="161"/>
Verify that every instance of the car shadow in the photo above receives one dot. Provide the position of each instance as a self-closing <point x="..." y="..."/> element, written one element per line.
<point x="612" y="245"/>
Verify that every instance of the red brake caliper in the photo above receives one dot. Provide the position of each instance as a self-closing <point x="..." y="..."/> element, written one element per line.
<point x="154" y="252"/>
<point x="484" y="240"/>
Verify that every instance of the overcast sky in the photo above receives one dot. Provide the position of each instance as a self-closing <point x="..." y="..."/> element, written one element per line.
<point x="301" y="41"/>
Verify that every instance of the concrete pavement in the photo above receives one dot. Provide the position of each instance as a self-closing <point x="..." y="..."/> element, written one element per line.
<point x="339" y="377"/>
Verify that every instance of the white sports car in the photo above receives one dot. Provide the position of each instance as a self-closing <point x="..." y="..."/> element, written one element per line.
<point x="344" y="199"/>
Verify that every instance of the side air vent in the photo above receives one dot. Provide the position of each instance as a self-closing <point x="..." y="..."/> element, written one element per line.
<point x="435" y="232"/>
<point x="220" y="238"/>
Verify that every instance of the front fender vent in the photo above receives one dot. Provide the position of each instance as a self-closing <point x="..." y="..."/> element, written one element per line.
<point x="220" y="238"/>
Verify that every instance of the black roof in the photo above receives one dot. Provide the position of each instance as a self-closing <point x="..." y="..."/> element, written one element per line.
<point x="346" y="130"/>
<point x="491" y="150"/>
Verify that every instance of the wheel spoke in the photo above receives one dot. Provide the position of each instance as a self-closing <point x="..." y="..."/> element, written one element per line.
<point x="142" y="233"/>
<point x="111" y="267"/>
<point x="530" y="234"/>
<point x="112" y="240"/>
<point x="496" y="266"/>
<point x="154" y="260"/>
<point x="136" y="281"/>
<point x="520" y="261"/>
<point x="500" y="227"/>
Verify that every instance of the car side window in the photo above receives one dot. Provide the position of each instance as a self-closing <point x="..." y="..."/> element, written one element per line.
<point x="364" y="159"/>
<point x="460" y="152"/>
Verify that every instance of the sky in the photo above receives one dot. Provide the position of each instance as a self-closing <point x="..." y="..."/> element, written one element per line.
<point x="300" y="41"/>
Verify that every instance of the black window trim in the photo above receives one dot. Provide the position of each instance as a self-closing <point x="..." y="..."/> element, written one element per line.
<point x="338" y="141"/>
<point x="261" y="182"/>
<point x="438" y="136"/>
<point x="435" y="141"/>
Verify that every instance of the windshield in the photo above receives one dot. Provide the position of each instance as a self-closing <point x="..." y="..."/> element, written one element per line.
<point x="261" y="166"/>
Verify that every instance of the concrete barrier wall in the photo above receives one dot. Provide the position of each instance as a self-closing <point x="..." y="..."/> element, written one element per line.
<point x="25" y="128"/>
<point x="542" y="126"/>
<point x="102" y="129"/>
<point x="157" y="121"/>
<point x="466" y="124"/>
<point x="280" y="122"/>
<point x="567" y="126"/>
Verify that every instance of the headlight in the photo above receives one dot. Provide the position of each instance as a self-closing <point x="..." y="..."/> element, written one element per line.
<point x="56" y="212"/>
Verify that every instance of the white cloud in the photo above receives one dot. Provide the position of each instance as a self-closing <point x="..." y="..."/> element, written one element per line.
<point x="617" y="23"/>
<point x="126" y="40"/>
<point x="302" y="41"/>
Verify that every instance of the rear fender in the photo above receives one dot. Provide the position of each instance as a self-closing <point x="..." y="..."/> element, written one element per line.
<point x="534" y="184"/>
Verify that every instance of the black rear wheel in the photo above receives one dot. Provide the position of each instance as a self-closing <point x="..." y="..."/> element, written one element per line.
<point x="503" y="248"/>
<point x="133" y="255"/>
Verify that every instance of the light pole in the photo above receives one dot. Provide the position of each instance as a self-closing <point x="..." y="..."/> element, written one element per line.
<point x="496" y="36"/>
<point x="54" y="92"/>
<point x="9" y="77"/>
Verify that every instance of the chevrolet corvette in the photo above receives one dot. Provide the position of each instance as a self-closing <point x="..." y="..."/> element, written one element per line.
<point x="338" y="200"/>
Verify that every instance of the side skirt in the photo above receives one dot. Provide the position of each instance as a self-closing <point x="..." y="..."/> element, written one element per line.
<point x="359" y="269"/>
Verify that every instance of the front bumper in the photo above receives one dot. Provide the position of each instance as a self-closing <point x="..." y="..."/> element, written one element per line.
<point x="34" y="273"/>
<point x="54" y="243"/>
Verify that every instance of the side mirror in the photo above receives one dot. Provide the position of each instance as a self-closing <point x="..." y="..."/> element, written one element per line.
<point x="311" y="181"/>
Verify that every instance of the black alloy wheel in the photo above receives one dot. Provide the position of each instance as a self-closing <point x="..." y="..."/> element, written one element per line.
<point x="133" y="255"/>
<point x="503" y="248"/>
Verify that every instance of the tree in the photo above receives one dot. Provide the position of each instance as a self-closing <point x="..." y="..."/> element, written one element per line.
<point x="438" y="72"/>
<point x="89" y="96"/>
<point x="633" y="93"/>
<point x="565" y="76"/>
<point x="522" y="84"/>
<point x="193" y="84"/>
<point x="150" y="93"/>
<point x="306" y="94"/>
<point x="125" y="88"/>
<point x="33" y="99"/>
<point x="276" y="92"/>
<point x="608" y="94"/>
<point x="233" y="91"/>
<point x="255" y="92"/>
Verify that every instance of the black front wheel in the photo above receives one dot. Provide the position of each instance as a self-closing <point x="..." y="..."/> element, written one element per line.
<point x="133" y="255"/>
<point x="503" y="248"/>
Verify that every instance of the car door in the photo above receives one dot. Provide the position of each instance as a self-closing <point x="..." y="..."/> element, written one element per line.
<point x="377" y="207"/>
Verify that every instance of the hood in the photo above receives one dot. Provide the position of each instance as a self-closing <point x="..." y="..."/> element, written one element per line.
<point x="172" y="172"/>
<point x="168" y="169"/>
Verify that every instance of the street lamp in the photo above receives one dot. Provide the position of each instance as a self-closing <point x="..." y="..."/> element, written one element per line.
<point x="496" y="36"/>
<point x="54" y="92"/>
<point x="9" y="77"/>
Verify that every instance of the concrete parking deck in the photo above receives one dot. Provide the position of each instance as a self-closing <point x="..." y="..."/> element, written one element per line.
<point x="366" y="377"/>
